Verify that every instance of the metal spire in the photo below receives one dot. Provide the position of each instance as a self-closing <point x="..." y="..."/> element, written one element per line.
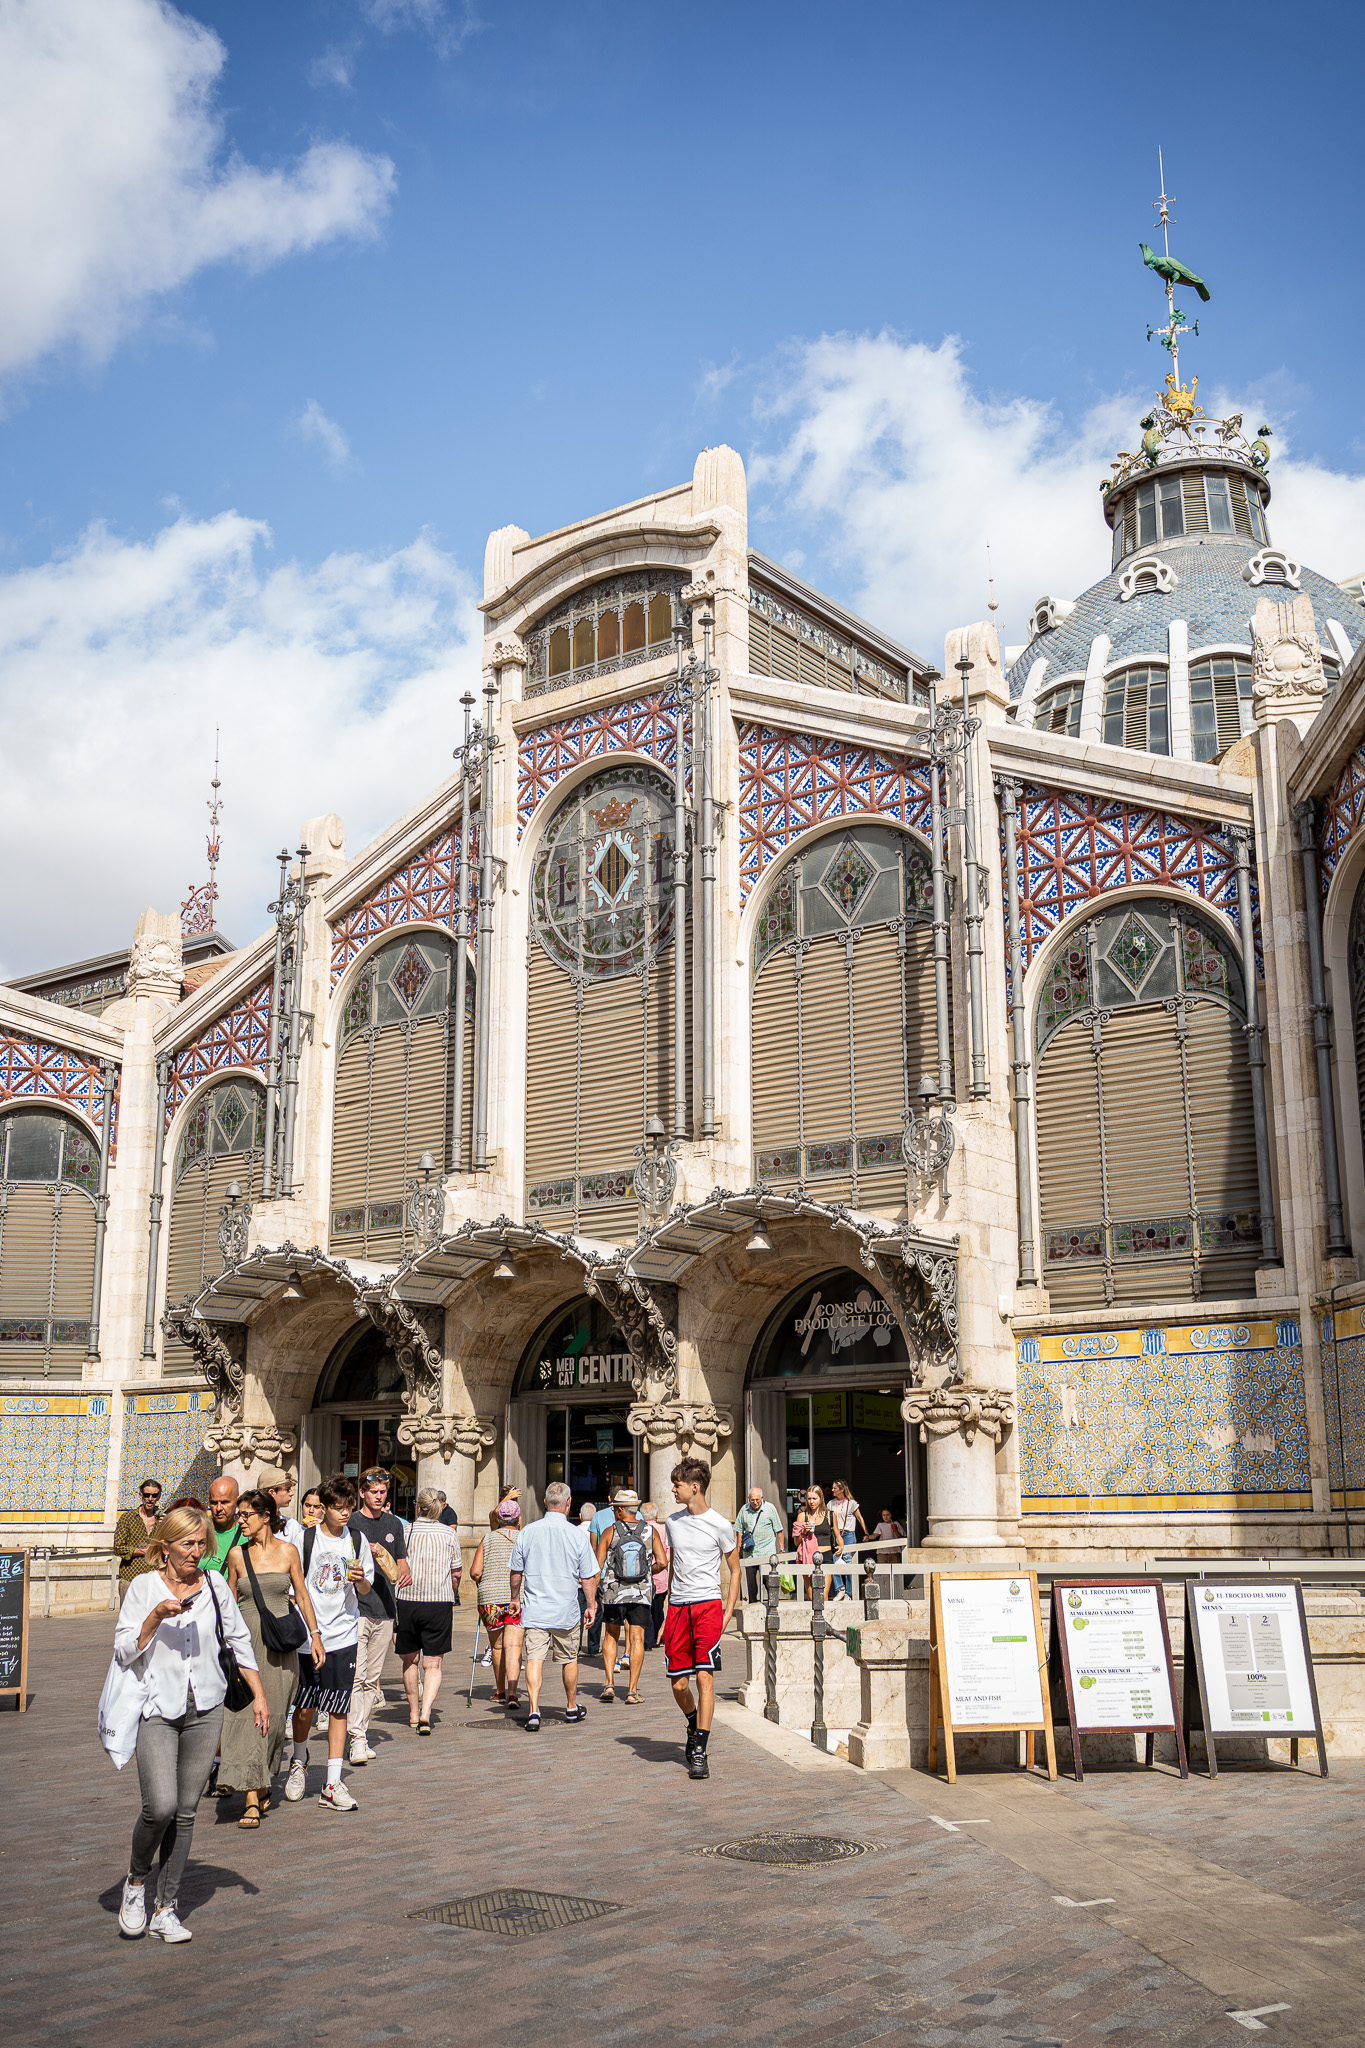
<point x="1162" y="208"/>
<point x="198" y="911"/>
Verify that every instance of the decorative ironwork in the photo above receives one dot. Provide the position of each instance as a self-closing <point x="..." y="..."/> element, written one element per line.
<point x="656" y="1173"/>
<point x="234" y="1227"/>
<point x="220" y="1349"/>
<point x="198" y="911"/>
<point x="426" y="1207"/>
<point x="790" y="782"/>
<point x="641" y="725"/>
<point x="646" y="1315"/>
<point x="929" y="1142"/>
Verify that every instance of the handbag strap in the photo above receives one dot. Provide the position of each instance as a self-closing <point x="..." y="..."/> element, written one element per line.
<point x="217" y="1611"/>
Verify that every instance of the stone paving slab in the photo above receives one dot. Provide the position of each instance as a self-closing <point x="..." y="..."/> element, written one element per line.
<point x="302" y="1930"/>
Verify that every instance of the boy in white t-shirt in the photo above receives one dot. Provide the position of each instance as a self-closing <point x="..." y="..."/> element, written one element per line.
<point x="699" y="1539"/>
<point x="337" y="1566"/>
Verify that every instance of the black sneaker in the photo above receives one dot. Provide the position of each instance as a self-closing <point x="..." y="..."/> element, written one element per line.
<point x="532" y="1724"/>
<point x="690" y="1746"/>
<point x="698" y="1766"/>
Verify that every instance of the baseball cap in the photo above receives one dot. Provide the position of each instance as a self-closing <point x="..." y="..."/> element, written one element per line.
<point x="509" y="1510"/>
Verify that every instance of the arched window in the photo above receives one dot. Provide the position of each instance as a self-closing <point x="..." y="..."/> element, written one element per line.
<point x="1146" y="1140"/>
<point x="1136" y="710"/>
<point x="395" y="1090"/>
<point x="1220" y="703"/>
<point x="610" y="625"/>
<point x="223" y="1141"/>
<point x="1060" y="710"/>
<point x="49" y="1177"/>
<point x="843" y="1013"/>
<point x="599" y="1057"/>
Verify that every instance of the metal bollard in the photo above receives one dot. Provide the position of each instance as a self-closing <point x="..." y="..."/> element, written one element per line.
<point x="771" y="1629"/>
<point x="872" y="1597"/>
<point x="819" y="1629"/>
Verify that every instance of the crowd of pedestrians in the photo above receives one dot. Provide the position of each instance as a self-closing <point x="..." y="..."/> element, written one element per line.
<point x="240" y="1626"/>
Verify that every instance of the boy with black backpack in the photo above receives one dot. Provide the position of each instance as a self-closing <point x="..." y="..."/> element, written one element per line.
<point x="629" y="1551"/>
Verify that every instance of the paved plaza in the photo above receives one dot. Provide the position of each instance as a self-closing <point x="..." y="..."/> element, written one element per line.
<point x="955" y="1927"/>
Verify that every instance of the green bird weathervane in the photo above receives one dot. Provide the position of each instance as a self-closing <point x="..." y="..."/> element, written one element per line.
<point x="1171" y="274"/>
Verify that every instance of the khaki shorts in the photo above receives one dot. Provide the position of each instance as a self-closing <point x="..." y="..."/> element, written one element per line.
<point x="560" y="1645"/>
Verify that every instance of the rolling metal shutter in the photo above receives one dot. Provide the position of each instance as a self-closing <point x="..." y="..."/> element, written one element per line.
<point x="192" y="1254"/>
<point x="1224" y="1131"/>
<point x="776" y="1105"/>
<point x="1070" y="1181"/>
<point x="1145" y="1148"/>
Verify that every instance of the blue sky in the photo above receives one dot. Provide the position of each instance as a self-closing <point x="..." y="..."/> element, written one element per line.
<point x="297" y="316"/>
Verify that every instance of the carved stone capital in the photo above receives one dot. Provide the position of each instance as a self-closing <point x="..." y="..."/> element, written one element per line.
<point x="156" y="963"/>
<point x="246" y="1443"/>
<point x="696" y="1425"/>
<point x="943" y="1411"/>
<point x="1286" y="659"/>
<point x="506" y="654"/>
<point x="437" y="1431"/>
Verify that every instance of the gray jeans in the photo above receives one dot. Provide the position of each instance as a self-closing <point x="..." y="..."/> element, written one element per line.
<point x="173" y="1762"/>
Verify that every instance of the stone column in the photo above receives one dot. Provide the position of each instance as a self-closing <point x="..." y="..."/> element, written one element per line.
<point x="674" y="1429"/>
<point x="962" y="1427"/>
<point x="448" y="1448"/>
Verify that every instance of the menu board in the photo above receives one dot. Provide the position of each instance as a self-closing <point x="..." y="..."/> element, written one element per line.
<point x="14" y="1624"/>
<point x="1246" y="1645"/>
<point x="986" y="1661"/>
<point x="1114" y="1643"/>
<point x="1110" y="1650"/>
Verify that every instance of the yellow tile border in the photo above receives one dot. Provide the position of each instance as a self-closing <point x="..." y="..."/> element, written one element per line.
<point x="1164" y="1503"/>
<point x="41" y="1406"/>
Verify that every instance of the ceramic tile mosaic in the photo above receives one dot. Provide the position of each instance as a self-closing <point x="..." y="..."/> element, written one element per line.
<point x="239" y="1038"/>
<point x="31" y="1066"/>
<point x="1343" y="1400"/>
<point x="54" y="1454"/>
<point x="163" y="1438"/>
<point x="790" y="781"/>
<point x="641" y="725"/>
<point x="1184" y="1418"/>
<point x="425" y="889"/>
<point x="1339" y="817"/>
<point x="1073" y="847"/>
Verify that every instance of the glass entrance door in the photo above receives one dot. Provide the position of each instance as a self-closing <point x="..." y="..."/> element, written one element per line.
<point x="369" y="1440"/>
<point x="591" y="1448"/>
<point x="851" y="1434"/>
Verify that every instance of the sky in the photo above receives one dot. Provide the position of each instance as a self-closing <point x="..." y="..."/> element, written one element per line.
<point x="297" y="303"/>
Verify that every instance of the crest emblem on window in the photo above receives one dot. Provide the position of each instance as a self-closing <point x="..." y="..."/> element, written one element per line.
<point x="410" y="976"/>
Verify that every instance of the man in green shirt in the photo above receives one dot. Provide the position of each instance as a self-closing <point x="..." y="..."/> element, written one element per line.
<point x="223" y="1514"/>
<point x="759" y="1526"/>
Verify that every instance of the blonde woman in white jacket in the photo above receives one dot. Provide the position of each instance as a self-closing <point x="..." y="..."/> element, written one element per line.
<point x="168" y="1639"/>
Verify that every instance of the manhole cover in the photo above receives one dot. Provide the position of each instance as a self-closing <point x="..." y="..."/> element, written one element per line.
<point x="789" y="1851"/>
<point x="516" y="1913"/>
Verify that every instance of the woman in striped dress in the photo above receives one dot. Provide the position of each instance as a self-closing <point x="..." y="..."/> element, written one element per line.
<point x="491" y="1573"/>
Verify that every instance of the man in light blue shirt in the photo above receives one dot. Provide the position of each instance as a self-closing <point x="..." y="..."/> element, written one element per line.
<point x="549" y="1562"/>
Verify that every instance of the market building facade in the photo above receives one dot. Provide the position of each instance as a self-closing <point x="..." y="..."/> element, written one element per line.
<point x="764" y="1043"/>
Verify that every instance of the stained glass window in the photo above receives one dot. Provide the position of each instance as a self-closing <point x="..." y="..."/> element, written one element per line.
<point x="602" y="885"/>
<point x="868" y="875"/>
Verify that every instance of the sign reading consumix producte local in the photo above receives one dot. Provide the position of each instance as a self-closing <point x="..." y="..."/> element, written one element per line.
<point x="990" y="1656"/>
<point x="1115" y="1648"/>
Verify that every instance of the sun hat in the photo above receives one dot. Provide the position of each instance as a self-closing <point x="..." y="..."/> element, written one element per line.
<point x="624" y="1498"/>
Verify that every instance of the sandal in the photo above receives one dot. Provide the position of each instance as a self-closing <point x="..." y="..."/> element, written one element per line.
<point x="633" y="1699"/>
<point x="609" y="1694"/>
<point x="251" y="1818"/>
<point x="264" y="1808"/>
<point x="424" y="1727"/>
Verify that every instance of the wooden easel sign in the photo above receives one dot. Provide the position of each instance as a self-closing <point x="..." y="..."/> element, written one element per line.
<point x="1247" y="1654"/>
<point x="987" y="1671"/>
<point x="14" y="1625"/>
<point x="1110" y="1650"/>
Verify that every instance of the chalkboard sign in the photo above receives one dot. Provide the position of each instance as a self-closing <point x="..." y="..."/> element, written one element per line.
<point x="1248" y="1663"/>
<point x="14" y="1625"/>
<point x="1109" y="1654"/>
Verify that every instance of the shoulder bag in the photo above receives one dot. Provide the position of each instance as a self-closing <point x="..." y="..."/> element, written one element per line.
<point x="239" y="1694"/>
<point x="279" y="1632"/>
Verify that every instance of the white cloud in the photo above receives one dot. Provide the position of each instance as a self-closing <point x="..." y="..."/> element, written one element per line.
<point x="314" y="425"/>
<point x="430" y="16"/>
<point x="114" y="186"/>
<point x="892" y="467"/>
<point x="336" y="688"/>
<point x="334" y="67"/>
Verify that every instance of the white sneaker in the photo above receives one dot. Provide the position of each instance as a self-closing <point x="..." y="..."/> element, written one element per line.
<point x="338" y="1798"/>
<point x="371" y="1754"/>
<point x="379" y="1699"/>
<point x="320" y="1726"/>
<point x="295" y="1785"/>
<point x="166" y="1926"/>
<point x="360" y="1751"/>
<point x="132" y="1912"/>
<point x="487" y="1657"/>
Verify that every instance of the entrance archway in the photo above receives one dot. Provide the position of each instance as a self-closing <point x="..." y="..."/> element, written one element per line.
<point x="823" y="1402"/>
<point x="567" y="1417"/>
<point x="354" y="1420"/>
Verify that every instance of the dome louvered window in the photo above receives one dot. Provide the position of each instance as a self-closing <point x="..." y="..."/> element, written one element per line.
<point x="1137" y="710"/>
